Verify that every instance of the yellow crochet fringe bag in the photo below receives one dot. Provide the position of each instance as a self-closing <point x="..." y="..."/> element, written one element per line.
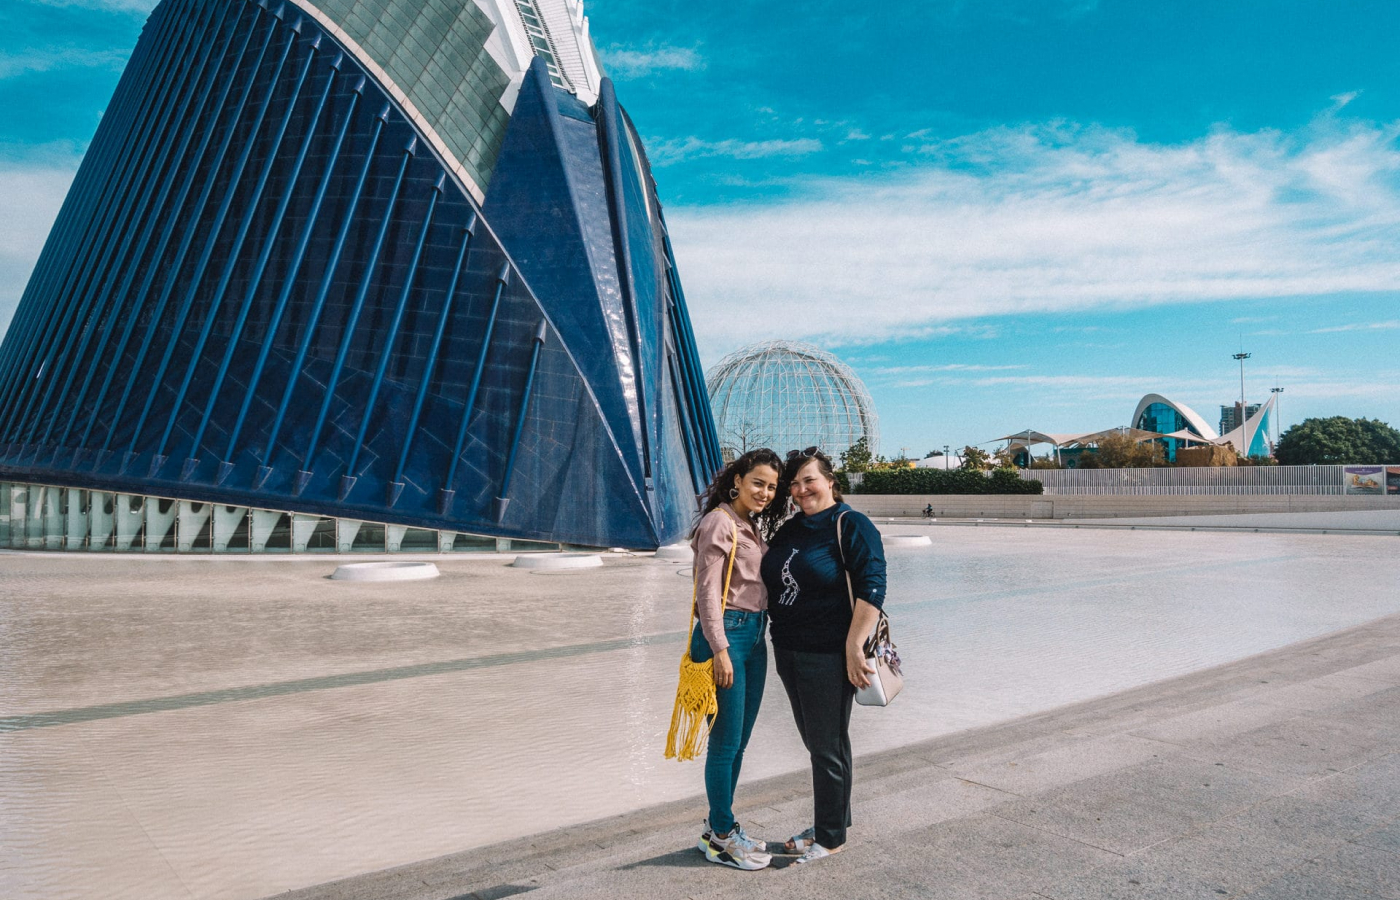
<point x="696" y="702"/>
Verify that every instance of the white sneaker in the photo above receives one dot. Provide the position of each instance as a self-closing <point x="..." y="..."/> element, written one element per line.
<point x="749" y="843"/>
<point x="816" y="852"/>
<point x="739" y="834"/>
<point x="735" y="851"/>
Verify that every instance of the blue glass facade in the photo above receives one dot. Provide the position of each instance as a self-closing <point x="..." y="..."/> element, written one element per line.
<point x="265" y="288"/>
<point x="1163" y="419"/>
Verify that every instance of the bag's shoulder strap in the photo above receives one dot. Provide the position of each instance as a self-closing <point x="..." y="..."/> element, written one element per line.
<point x="733" y="552"/>
<point x="840" y="548"/>
<point x="728" y="574"/>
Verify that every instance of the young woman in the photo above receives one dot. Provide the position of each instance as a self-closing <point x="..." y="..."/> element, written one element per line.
<point x="817" y="639"/>
<point x="739" y="515"/>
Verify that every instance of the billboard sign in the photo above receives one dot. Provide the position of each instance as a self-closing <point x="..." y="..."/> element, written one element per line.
<point x="1364" y="480"/>
<point x="1392" y="480"/>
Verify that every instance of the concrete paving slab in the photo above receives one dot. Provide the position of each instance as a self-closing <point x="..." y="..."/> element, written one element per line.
<point x="1381" y="669"/>
<point x="1300" y="746"/>
<point x="1213" y="723"/>
<point x="1311" y="883"/>
<point x="1317" y="693"/>
<point x="1070" y="761"/>
<point x="1143" y="805"/>
<point x="1319" y="814"/>
<point x="981" y="856"/>
<point x="1206" y="864"/>
<point x="1386" y="837"/>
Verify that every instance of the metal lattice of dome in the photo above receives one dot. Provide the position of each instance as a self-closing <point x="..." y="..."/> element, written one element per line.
<point x="789" y="395"/>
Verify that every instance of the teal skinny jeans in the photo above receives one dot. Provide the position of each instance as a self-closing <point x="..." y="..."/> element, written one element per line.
<point x="738" y="708"/>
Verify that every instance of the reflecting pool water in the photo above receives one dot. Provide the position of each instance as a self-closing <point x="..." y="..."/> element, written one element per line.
<point x="176" y="727"/>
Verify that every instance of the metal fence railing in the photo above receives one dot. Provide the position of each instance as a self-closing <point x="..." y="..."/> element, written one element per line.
<point x="1215" y="480"/>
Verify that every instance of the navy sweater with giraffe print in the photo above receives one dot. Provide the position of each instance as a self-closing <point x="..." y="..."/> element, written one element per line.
<point x="807" y="600"/>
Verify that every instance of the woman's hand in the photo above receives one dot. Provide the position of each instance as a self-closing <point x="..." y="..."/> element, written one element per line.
<point x="724" y="670"/>
<point x="857" y="671"/>
<point x="863" y="621"/>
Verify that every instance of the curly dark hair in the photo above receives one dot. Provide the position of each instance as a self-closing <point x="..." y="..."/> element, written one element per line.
<point x="767" y="520"/>
<point x="796" y="459"/>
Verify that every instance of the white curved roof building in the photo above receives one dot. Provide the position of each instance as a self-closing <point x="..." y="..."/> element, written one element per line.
<point x="1161" y="412"/>
<point x="1177" y="421"/>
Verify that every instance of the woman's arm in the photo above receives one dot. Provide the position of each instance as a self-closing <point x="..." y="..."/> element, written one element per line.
<point x="865" y="556"/>
<point x="862" y="624"/>
<point x="714" y="538"/>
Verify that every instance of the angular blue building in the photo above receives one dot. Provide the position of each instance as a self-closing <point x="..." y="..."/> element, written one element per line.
<point x="356" y="265"/>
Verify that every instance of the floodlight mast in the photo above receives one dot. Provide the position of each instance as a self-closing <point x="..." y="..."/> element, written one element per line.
<point x="1242" y="356"/>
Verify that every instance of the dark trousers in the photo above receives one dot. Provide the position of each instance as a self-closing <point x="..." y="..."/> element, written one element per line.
<point x="821" y="698"/>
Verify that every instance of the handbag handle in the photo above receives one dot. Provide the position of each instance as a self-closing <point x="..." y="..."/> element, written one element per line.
<point x="724" y="596"/>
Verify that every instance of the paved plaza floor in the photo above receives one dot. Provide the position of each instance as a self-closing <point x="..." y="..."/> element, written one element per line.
<point x="238" y="728"/>
<point x="1273" y="778"/>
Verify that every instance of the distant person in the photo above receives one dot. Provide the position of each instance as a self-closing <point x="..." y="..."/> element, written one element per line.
<point x="928" y="511"/>
<point x="818" y="639"/>
<point x="737" y="517"/>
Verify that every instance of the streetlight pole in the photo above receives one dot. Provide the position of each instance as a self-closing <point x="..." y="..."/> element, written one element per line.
<point x="945" y="457"/>
<point x="1278" y="426"/>
<point x="1242" y="356"/>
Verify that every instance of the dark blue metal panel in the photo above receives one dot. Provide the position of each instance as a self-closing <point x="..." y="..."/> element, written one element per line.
<point x="152" y="211"/>
<point x="103" y="203"/>
<point x="548" y="203"/>
<point x="536" y="380"/>
<point x="430" y="366"/>
<point x="255" y="276"/>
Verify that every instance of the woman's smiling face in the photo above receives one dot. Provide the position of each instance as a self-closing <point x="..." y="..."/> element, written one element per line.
<point x="811" y="489"/>
<point x="756" y="489"/>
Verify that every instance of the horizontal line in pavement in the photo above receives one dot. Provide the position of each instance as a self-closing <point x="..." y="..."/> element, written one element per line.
<point x="321" y="683"/>
<point x="398" y="673"/>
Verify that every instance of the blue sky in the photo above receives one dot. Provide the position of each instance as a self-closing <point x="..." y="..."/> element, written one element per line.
<point x="1003" y="215"/>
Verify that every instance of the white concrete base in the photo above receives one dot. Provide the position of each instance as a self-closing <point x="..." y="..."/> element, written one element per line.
<point x="902" y="541"/>
<point x="385" y="571"/>
<point x="675" y="553"/>
<point x="557" y="562"/>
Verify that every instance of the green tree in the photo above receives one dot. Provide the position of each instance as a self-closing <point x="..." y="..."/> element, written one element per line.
<point x="975" y="458"/>
<point x="1337" y="440"/>
<point x="857" y="457"/>
<point x="1119" y="451"/>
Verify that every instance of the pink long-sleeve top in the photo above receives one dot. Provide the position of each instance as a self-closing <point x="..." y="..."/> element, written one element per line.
<point x="711" y="544"/>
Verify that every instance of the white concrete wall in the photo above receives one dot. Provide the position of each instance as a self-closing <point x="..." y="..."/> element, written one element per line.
<point x="1030" y="506"/>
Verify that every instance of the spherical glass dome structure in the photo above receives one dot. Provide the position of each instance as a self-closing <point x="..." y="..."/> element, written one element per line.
<point x="788" y="396"/>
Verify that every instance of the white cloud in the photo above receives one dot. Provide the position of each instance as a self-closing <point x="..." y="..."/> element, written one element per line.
<point x="1390" y="325"/>
<point x="949" y="367"/>
<point x="129" y="6"/>
<point x="667" y="152"/>
<point x="622" y="61"/>
<point x="51" y="58"/>
<point x="1051" y="219"/>
<point x="29" y="200"/>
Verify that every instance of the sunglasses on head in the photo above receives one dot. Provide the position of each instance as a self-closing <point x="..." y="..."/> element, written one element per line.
<point x="804" y="454"/>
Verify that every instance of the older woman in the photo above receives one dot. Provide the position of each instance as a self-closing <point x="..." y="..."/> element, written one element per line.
<point x="818" y="637"/>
